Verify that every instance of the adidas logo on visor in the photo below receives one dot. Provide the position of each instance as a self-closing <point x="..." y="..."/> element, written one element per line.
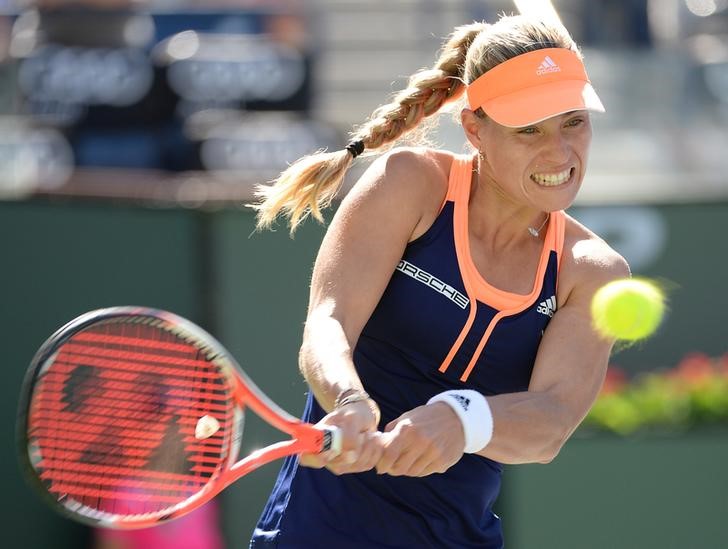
<point x="547" y="65"/>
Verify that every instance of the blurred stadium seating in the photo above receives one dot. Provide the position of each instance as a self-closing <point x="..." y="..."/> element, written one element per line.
<point x="241" y="88"/>
<point x="132" y="88"/>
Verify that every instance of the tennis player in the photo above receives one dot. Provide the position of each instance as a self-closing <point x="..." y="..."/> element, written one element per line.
<point x="449" y="307"/>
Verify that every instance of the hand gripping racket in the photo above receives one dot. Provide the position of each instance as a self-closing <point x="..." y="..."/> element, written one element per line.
<point x="131" y="416"/>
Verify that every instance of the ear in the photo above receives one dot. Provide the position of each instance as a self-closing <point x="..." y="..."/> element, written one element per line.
<point x="472" y="124"/>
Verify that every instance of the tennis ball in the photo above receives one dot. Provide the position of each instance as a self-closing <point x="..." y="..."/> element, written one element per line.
<point x="627" y="309"/>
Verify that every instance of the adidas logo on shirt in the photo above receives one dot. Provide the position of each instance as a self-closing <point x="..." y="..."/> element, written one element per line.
<point x="547" y="65"/>
<point x="547" y="307"/>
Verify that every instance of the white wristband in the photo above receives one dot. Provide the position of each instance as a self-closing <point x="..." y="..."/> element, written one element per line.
<point x="474" y="412"/>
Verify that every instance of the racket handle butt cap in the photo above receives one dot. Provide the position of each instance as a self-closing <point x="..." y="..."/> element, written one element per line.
<point x="332" y="441"/>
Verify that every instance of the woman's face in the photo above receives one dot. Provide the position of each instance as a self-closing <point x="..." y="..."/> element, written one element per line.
<point x="543" y="164"/>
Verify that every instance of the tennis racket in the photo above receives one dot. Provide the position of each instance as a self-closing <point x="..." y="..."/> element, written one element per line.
<point x="132" y="416"/>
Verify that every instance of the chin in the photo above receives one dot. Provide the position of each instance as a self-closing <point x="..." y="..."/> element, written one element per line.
<point x="557" y="199"/>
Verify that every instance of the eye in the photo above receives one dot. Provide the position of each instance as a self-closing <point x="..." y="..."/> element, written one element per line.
<point x="573" y="122"/>
<point x="530" y="130"/>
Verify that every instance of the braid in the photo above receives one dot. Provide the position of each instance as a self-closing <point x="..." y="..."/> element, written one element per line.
<point x="311" y="183"/>
<point x="426" y="92"/>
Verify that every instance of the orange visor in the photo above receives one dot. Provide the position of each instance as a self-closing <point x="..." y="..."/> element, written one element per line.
<point x="534" y="86"/>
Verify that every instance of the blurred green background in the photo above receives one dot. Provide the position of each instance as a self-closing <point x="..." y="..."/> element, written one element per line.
<point x="127" y="188"/>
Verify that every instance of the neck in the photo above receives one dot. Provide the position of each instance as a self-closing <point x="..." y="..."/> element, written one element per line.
<point x="536" y="232"/>
<point x="495" y="217"/>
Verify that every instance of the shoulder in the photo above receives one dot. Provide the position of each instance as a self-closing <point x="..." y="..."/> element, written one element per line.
<point x="416" y="168"/>
<point x="414" y="179"/>
<point x="588" y="262"/>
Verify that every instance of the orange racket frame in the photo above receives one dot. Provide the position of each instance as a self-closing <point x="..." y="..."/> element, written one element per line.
<point x="242" y="391"/>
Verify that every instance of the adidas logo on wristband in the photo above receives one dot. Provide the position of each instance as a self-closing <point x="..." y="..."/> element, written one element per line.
<point x="474" y="413"/>
<point x="464" y="401"/>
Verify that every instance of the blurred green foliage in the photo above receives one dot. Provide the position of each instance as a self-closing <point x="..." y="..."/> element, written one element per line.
<point x="693" y="393"/>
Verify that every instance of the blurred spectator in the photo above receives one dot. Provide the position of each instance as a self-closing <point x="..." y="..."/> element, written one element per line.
<point x="121" y="83"/>
<point x="86" y="72"/>
<point x="289" y="30"/>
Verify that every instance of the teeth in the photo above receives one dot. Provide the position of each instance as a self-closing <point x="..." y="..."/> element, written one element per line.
<point x="551" y="180"/>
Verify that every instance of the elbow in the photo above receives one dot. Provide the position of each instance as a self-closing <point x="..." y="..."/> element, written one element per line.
<point x="544" y="450"/>
<point x="554" y="445"/>
<point x="561" y="427"/>
<point x="549" y="454"/>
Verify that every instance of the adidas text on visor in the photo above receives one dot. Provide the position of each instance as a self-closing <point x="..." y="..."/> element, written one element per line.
<point x="534" y="86"/>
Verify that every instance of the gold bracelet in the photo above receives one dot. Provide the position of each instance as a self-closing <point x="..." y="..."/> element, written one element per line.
<point x="350" y="396"/>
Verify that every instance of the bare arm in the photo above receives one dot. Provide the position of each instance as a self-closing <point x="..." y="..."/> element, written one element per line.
<point x="529" y="426"/>
<point x="355" y="262"/>
<point x="570" y="366"/>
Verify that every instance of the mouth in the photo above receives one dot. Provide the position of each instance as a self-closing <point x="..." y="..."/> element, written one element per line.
<point x="553" y="179"/>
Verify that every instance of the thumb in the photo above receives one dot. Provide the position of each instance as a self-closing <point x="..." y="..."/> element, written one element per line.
<point x="391" y="426"/>
<point x="315" y="461"/>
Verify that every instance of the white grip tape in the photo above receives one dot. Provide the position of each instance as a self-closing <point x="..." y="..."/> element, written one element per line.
<point x="474" y="412"/>
<point x="334" y="441"/>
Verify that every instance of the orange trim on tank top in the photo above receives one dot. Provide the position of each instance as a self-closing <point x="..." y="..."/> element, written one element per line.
<point x="454" y="182"/>
<point x="559" y="219"/>
<point x="451" y="191"/>
<point x="476" y="287"/>
<point x="460" y="177"/>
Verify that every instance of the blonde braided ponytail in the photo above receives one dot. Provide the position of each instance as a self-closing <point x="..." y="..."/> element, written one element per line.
<point x="311" y="183"/>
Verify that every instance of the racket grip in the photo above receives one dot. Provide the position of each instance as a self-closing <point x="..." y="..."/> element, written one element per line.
<point x="332" y="441"/>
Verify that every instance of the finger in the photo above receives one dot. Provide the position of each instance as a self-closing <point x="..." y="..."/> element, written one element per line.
<point x="391" y="449"/>
<point x="315" y="461"/>
<point x="423" y="466"/>
<point x="369" y="456"/>
<point x="363" y="460"/>
<point x="348" y="453"/>
<point x="322" y="459"/>
<point x="401" y="466"/>
<point x="350" y="450"/>
<point x="342" y="464"/>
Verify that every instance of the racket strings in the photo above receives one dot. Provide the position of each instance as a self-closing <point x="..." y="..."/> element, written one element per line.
<point x="112" y="424"/>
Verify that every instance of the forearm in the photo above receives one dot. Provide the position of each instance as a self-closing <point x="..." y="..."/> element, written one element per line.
<point x="529" y="427"/>
<point x="326" y="363"/>
<point x="326" y="360"/>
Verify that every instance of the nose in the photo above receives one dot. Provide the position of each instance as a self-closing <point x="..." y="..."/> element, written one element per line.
<point x="557" y="149"/>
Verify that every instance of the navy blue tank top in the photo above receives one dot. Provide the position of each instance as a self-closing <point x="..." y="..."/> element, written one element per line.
<point x="437" y="326"/>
